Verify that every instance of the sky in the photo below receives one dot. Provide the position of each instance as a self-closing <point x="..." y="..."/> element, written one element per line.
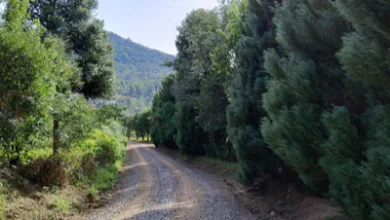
<point x="152" y="23"/>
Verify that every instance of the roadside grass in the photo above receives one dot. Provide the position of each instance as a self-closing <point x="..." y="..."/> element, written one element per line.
<point x="62" y="204"/>
<point x="3" y="200"/>
<point x="101" y="179"/>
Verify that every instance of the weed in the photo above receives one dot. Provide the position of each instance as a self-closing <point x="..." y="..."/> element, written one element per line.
<point x="62" y="204"/>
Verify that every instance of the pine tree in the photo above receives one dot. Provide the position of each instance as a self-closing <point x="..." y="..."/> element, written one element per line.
<point x="306" y="81"/>
<point x="163" y="127"/>
<point x="357" y="152"/>
<point x="245" y="110"/>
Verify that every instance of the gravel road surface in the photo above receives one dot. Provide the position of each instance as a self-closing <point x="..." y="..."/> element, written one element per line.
<point x="155" y="186"/>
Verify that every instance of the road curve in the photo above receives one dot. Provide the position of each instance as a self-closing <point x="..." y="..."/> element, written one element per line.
<point x="155" y="186"/>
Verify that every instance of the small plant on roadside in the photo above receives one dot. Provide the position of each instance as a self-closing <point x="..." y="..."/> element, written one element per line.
<point x="62" y="204"/>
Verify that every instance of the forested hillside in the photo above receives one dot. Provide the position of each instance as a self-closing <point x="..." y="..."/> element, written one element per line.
<point x="140" y="71"/>
<point x="293" y="90"/>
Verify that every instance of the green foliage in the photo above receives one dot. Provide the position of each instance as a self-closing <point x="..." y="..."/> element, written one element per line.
<point x="141" y="124"/>
<point x="62" y="204"/>
<point x="212" y="106"/>
<point x="305" y="83"/>
<point x="203" y="69"/>
<point x="76" y="119"/>
<point x="190" y="136"/>
<point x="46" y="57"/>
<point x="108" y="113"/>
<point x="292" y="128"/>
<point x="356" y="149"/>
<point x="102" y="179"/>
<point x="110" y="142"/>
<point x="245" y="111"/>
<point x="360" y="51"/>
<point x="86" y="40"/>
<point x="30" y="70"/>
<point x="163" y="127"/>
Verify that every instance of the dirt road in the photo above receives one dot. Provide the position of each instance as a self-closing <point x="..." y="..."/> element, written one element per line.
<point x="155" y="186"/>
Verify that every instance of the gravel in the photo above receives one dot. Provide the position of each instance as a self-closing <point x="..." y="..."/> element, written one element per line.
<point x="155" y="186"/>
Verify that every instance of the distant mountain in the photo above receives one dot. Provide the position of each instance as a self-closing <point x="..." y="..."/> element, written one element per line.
<point x="139" y="72"/>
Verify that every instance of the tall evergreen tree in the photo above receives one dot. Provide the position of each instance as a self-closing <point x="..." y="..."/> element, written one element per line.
<point x="356" y="151"/>
<point x="245" y="110"/>
<point x="306" y="80"/>
<point x="163" y="127"/>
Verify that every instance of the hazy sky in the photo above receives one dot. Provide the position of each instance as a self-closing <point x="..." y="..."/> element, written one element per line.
<point x="149" y="22"/>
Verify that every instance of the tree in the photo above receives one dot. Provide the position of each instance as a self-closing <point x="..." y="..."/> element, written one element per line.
<point x="307" y="80"/>
<point x="356" y="151"/>
<point x="141" y="124"/>
<point x="195" y="43"/>
<point x="163" y="127"/>
<point x="31" y="70"/>
<point x="245" y="109"/>
<point x="87" y="44"/>
<point x="72" y="20"/>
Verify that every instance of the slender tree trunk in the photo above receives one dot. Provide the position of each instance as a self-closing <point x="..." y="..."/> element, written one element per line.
<point x="56" y="136"/>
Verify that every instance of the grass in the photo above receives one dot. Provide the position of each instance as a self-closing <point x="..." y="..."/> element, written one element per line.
<point x="62" y="204"/>
<point x="103" y="178"/>
<point x="3" y="201"/>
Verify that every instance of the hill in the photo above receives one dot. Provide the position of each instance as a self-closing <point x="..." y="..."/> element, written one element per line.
<point x="139" y="73"/>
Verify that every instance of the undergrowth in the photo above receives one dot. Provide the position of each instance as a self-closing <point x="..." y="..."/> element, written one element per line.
<point x="3" y="201"/>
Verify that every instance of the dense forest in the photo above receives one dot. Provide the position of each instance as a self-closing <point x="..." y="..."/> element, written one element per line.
<point x="297" y="88"/>
<point x="54" y="55"/>
<point x="140" y="71"/>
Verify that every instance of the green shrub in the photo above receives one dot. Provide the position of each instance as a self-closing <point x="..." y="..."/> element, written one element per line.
<point x="62" y="204"/>
<point x="104" y="178"/>
<point x="110" y="143"/>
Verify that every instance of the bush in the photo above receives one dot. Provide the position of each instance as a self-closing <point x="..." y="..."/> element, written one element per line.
<point x="104" y="178"/>
<point x="110" y="143"/>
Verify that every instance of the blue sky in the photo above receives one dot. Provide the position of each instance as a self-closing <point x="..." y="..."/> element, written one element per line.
<point x="149" y="22"/>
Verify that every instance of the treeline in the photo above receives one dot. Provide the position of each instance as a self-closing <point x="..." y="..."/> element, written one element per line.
<point x="139" y="126"/>
<point x="54" y="55"/>
<point x="287" y="85"/>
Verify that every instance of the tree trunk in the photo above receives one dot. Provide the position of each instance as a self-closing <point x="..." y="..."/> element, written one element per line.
<point x="56" y="136"/>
